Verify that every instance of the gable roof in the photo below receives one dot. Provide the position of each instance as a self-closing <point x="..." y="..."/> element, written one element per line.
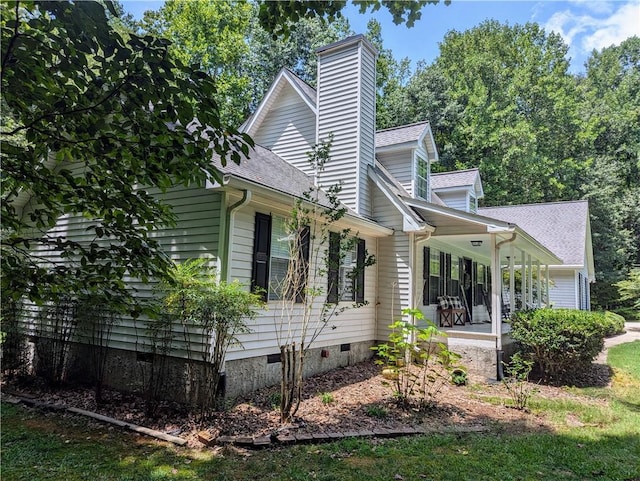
<point x="400" y="135"/>
<point x="562" y="227"/>
<point x="285" y="77"/>
<point x="267" y="170"/>
<point x="456" y="178"/>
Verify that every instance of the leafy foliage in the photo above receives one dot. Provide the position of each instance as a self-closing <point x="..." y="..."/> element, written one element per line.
<point x="211" y="315"/>
<point x="282" y="17"/>
<point x="516" y="381"/>
<point x="613" y="323"/>
<point x="96" y="120"/>
<point x="422" y="364"/>
<point x="562" y="342"/>
<point x="209" y="35"/>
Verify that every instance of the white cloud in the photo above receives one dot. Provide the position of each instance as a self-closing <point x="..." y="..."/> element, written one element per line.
<point x="597" y="6"/>
<point x="622" y="24"/>
<point x="598" y="28"/>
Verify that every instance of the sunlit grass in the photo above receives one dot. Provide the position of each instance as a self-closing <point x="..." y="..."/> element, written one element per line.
<point x="597" y="436"/>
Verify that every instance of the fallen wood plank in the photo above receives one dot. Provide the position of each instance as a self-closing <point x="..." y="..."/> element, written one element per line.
<point x="123" y="424"/>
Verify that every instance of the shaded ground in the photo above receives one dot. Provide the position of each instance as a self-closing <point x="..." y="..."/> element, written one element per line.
<point x="353" y="398"/>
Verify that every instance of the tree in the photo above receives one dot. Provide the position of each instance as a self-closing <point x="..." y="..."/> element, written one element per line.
<point x="210" y="34"/>
<point x="611" y="109"/>
<point x="515" y="107"/>
<point x="296" y="51"/>
<point x="282" y="17"/>
<point x="630" y="288"/>
<point x="94" y="121"/>
<point x="312" y="288"/>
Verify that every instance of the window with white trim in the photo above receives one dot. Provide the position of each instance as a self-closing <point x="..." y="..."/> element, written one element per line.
<point x="422" y="178"/>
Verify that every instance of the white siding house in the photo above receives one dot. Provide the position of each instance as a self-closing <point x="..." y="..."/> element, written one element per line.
<point x="425" y="230"/>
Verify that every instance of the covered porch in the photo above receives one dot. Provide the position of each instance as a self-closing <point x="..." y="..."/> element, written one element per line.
<point x="472" y="273"/>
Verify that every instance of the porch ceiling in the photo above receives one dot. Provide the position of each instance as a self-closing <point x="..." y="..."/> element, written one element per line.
<point x="456" y="228"/>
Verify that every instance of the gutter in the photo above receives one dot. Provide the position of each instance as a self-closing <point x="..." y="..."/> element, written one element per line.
<point x="231" y="210"/>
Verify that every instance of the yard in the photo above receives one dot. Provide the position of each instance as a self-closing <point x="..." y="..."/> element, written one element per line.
<point x="571" y="433"/>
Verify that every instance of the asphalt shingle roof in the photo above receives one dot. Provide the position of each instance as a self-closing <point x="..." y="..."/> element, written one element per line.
<point x="400" y="135"/>
<point x="559" y="226"/>
<point x="265" y="168"/>
<point x="458" y="178"/>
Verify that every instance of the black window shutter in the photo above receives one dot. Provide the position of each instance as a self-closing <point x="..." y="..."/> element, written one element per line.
<point x="443" y="268"/>
<point x="261" y="252"/>
<point x="303" y="252"/>
<point x="476" y="287"/>
<point x="426" y="266"/>
<point x="334" y="267"/>
<point x="359" y="287"/>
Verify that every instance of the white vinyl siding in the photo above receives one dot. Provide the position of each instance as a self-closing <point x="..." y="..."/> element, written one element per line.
<point x="195" y="234"/>
<point x="455" y="200"/>
<point x="352" y="325"/>
<point x="398" y="164"/>
<point x="289" y="130"/>
<point x="346" y="110"/>
<point x="563" y="290"/>
<point x="394" y="270"/>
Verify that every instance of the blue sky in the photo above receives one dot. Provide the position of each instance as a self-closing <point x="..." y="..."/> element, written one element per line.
<point x="584" y="24"/>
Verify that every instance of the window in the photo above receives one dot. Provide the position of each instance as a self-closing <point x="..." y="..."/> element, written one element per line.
<point x="454" y="276"/>
<point x="345" y="280"/>
<point x="433" y="264"/>
<point x="279" y="258"/>
<point x="272" y="248"/>
<point x="422" y="176"/>
<point x="473" y="204"/>
<point x="480" y="283"/>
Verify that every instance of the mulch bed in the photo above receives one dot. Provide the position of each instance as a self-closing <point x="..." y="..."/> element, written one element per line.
<point x="356" y="398"/>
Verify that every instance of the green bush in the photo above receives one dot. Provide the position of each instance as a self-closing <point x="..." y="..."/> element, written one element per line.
<point x="562" y="342"/>
<point x="630" y="314"/>
<point x="613" y="324"/>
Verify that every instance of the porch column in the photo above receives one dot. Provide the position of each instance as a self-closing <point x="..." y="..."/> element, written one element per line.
<point x="496" y="289"/>
<point x="523" y="278"/>
<point x="512" y="280"/>
<point x="538" y="285"/>
<point x="546" y="285"/>
<point x="529" y="280"/>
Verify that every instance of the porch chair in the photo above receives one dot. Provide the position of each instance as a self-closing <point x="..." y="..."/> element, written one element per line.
<point x="451" y="312"/>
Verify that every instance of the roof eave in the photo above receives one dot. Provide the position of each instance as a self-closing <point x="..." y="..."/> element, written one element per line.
<point x="361" y="224"/>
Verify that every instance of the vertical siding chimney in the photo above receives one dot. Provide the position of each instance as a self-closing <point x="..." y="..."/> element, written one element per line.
<point x="346" y="106"/>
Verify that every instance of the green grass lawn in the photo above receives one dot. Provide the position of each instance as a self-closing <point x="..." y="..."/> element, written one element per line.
<point x="605" y="446"/>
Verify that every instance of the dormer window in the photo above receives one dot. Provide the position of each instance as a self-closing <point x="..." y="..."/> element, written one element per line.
<point x="421" y="179"/>
<point x="473" y="204"/>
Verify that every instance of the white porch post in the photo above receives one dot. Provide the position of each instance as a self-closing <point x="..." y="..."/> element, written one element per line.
<point x="512" y="280"/>
<point x="538" y="285"/>
<point x="523" y="278"/>
<point x="529" y="280"/>
<point x="496" y="289"/>
<point x="546" y="285"/>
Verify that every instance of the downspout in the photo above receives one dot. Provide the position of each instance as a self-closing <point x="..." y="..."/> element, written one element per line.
<point x="498" y="309"/>
<point x="231" y="210"/>
<point x="414" y="238"/>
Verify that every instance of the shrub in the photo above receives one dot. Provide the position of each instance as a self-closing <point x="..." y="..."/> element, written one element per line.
<point x="613" y="324"/>
<point x="517" y="381"/>
<point x="419" y="364"/>
<point x="561" y="342"/>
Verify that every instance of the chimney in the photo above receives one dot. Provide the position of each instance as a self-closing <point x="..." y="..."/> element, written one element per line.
<point x="346" y="103"/>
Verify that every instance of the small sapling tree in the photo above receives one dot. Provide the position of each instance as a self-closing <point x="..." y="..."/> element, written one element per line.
<point x="211" y="314"/>
<point x="419" y="363"/>
<point x="324" y="276"/>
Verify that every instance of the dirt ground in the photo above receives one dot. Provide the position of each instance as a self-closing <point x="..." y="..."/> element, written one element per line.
<point x="353" y="398"/>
